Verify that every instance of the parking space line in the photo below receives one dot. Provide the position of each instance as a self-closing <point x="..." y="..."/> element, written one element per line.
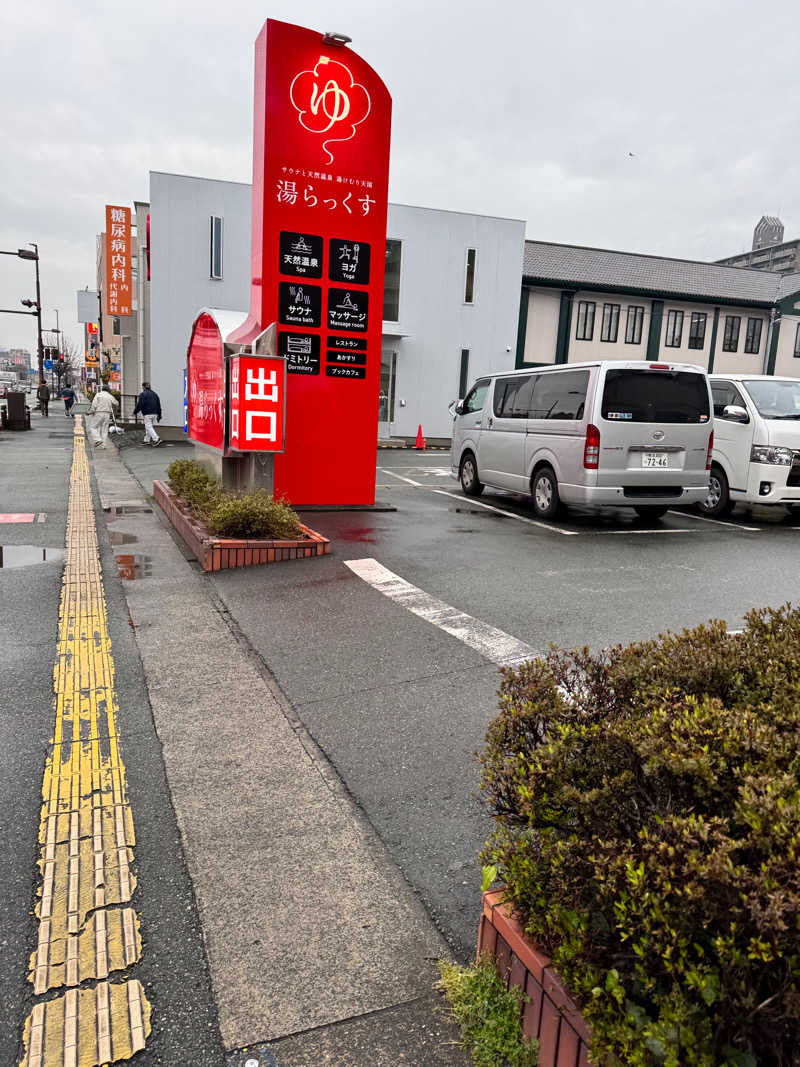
<point x="385" y="470"/>
<point x="718" y="522"/>
<point x="508" y="514"/>
<point x="496" y="645"/>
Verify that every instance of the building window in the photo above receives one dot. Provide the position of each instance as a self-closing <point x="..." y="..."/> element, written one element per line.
<point x="697" y="329"/>
<point x="797" y="342"/>
<point x="585" y="327"/>
<point x="216" y="247"/>
<point x="610" y="327"/>
<point x="391" y="288"/>
<point x="463" y="374"/>
<point x="752" y="341"/>
<point x="115" y="327"/>
<point x="633" y="329"/>
<point x="469" y="277"/>
<point x="730" y="341"/>
<point x="674" y="329"/>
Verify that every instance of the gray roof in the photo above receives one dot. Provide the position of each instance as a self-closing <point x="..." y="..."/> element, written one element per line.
<point x="790" y="283"/>
<point x="600" y="268"/>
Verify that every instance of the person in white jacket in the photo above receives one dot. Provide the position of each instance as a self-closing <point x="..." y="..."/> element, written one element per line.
<point x="102" y="409"/>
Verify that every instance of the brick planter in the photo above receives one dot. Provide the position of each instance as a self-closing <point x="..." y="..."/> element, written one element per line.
<point x="221" y="553"/>
<point x="551" y="1016"/>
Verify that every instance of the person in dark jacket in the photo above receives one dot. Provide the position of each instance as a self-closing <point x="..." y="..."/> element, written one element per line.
<point x="43" y="396"/>
<point x="68" y="396"/>
<point x="149" y="407"/>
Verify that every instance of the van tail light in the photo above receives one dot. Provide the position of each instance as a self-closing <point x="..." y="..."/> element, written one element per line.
<point x="710" y="450"/>
<point x="591" y="450"/>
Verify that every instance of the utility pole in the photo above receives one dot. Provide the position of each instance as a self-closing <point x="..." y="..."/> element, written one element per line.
<point x="35" y="247"/>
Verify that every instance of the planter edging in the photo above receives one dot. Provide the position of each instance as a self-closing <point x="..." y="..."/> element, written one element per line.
<point x="551" y="1015"/>
<point x="222" y="553"/>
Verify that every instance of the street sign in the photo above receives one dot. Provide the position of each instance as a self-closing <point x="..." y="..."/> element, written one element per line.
<point x="48" y="364"/>
<point x="257" y="403"/>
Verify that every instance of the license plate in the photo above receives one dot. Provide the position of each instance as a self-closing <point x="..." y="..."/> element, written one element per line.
<point x="654" y="459"/>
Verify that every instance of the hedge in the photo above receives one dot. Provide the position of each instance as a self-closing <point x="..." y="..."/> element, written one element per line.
<point x="254" y="514"/>
<point x="647" y="807"/>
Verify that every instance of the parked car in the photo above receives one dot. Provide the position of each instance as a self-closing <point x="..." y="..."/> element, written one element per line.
<point x="610" y="433"/>
<point x="756" y="457"/>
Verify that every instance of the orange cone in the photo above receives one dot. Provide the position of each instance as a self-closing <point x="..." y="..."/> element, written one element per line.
<point x="420" y="444"/>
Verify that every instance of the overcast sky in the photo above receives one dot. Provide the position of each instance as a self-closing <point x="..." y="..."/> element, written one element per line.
<point x="527" y="110"/>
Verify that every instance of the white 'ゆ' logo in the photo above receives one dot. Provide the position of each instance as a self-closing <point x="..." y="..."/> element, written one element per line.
<point x="329" y="101"/>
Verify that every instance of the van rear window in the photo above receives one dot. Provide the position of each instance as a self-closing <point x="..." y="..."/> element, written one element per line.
<point x="655" y="396"/>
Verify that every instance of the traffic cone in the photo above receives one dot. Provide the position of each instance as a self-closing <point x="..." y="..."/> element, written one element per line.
<point x="420" y="444"/>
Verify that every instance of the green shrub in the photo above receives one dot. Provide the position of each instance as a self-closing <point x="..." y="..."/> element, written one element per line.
<point x="194" y="484"/>
<point x="254" y="514"/>
<point x="647" y="805"/>
<point x="489" y="1015"/>
<point x="226" y="514"/>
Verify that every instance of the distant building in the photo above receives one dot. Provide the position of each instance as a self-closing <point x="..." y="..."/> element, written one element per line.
<point x="581" y="304"/>
<point x="770" y="251"/>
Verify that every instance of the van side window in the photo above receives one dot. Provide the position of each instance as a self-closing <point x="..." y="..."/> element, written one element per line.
<point x="725" y="393"/>
<point x="560" y="396"/>
<point x="475" y="398"/>
<point x="512" y="397"/>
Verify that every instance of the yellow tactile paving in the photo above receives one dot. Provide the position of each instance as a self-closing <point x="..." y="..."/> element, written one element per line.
<point x="86" y="839"/>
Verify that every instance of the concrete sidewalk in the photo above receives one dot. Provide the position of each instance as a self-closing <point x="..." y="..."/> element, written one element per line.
<point x="319" y="951"/>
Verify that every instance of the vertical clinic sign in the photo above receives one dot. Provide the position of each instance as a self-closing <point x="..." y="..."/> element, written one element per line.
<point x="320" y="187"/>
<point x="118" y="260"/>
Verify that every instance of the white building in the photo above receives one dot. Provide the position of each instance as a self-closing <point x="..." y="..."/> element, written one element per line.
<point x="450" y="311"/>
<point x="591" y="303"/>
<point x="467" y="295"/>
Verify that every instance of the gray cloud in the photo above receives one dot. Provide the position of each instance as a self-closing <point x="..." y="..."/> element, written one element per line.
<point x="522" y="110"/>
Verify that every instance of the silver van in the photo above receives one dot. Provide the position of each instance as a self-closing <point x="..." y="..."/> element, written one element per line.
<point x="610" y="433"/>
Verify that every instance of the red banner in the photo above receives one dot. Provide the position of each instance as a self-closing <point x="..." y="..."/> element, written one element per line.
<point x="320" y="188"/>
<point x="257" y="402"/>
<point x="206" y="384"/>
<point x="118" y="260"/>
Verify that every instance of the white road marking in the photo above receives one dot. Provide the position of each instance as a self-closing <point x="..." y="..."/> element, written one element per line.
<point x="496" y="645"/>
<point x="385" y="470"/>
<point x="471" y="502"/>
<point x="667" y="530"/>
<point x="719" y="522"/>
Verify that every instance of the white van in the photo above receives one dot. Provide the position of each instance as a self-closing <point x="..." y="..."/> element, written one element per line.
<point x="756" y="456"/>
<point x="610" y="433"/>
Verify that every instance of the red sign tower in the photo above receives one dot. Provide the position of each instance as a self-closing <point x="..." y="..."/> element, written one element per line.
<point x="320" y="189"/>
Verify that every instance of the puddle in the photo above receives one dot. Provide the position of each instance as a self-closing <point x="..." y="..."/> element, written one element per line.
<point x="121" y="538"/>
<point x="131" y="567"/>
<point x="28" y="555"/>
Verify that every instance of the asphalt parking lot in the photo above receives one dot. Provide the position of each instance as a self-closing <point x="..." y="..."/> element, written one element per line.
<point x="389" y="649"/>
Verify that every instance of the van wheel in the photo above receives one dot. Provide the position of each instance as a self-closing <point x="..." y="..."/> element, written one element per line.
<point x="544" y="494"/>
<point x="468" y="474"/>
<point x="651" y="512"/>
<point x="718" y="501"/>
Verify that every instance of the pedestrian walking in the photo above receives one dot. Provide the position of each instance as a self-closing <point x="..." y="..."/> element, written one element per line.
<point x="148" y="406"/>
<point x="68" y="396"/>
<point x="43" y="396"/>
<point x="102" y="409"/>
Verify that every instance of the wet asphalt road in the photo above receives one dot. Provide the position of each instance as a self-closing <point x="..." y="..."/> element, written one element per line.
<point x="400" y="707"/>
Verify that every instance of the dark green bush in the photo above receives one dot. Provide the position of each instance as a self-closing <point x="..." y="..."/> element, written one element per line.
<point x="227" y="514"/>
<point x="647" y="805"/>
<point x="254" y="514"/>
